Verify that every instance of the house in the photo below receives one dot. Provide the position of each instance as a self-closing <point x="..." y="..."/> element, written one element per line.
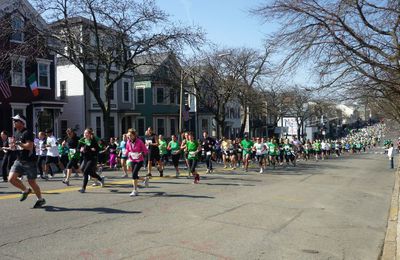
<point x="82" y="109"/>
<point x="26" y="59"/>
<point x="157" y="95"/>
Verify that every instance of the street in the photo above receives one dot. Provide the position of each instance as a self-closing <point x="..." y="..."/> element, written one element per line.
<point x="332" y="209"/>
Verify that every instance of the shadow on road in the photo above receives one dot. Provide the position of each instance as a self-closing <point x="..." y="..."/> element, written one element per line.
<point x="99" y="210"/>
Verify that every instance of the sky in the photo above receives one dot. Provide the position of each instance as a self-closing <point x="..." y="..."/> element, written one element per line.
<point x="227" y="23"/>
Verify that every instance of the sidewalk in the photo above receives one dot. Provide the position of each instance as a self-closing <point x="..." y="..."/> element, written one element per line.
<point x="391" y="246"/>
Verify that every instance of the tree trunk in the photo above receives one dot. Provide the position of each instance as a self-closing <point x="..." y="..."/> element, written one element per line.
<point x="106" y="124"/>
<point x="243" y="125"/>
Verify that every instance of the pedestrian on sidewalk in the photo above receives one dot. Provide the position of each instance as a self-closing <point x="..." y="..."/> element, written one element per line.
<point x="390" y="155"/>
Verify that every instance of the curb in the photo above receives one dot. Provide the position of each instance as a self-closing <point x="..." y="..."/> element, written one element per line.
<point x="391" y="244"/>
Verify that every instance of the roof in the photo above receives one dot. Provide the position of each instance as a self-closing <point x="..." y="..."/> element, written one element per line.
<point x="152" y="62"/>
<point x="25" y="8"/>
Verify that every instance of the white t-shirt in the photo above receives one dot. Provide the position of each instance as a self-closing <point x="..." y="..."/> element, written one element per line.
<point x="53" y="149"/>
<point x="259" y="148"/>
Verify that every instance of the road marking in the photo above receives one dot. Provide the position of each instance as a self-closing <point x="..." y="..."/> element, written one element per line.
<point x="71" y="189"/>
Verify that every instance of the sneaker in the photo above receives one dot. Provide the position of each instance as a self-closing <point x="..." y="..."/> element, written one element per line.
<point x="66" y="182"/>
<point x="177" y="174"/>
<point x="208" y="171"/>
<point x="225" y="167"/>
<point x="134" y="193"/>
<point x="25" y="194"/>
<point x="149" y="175"/>
<point x="146" y="182"/>
<point x="44" y="177"/>
<point x="162" y="173"/>
<point x="261" y="170"/>
<point x="76" y="175"/>
<point x="39" y="203"/>
<point x="95" y="184"/>
<point x="102" y="182"/>
<point x="125" y="175"/>
<point x="82" y="190"/>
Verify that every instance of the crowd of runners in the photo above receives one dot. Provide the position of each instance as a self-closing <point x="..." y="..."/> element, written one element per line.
<point x="43" y="155"/>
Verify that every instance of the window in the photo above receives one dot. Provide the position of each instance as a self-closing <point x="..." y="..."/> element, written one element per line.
<point x="111" y="126"/>
<point x="64" y="126"/>
<point x="44" y="75"/>
<point x="18" y="72"/>
<point x="160" y="126"/>
<point x="98" y="126"/>
<point x="173" y="126"/>
<point x="204" y="124"/>
<point x="111" y="96"/>
<point x="127" y="94"/>
<point x="140" y="95"/>
<point x="160" y="95"/>
<point x="63" y="89"/>
<point x="17" y="24"/>
<point x="172" y="99"/>
<point x="140" y="126"/>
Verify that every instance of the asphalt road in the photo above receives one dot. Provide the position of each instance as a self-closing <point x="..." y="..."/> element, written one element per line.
<point x="332" y="209"/>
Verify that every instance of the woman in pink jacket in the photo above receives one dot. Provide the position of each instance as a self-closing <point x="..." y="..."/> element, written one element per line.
<point x="135" y="152"/>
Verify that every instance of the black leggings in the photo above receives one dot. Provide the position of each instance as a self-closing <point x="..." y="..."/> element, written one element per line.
<point x="192" y="165"/>
<point x="89" y="168"/>
<point x="135" y="169"/>
<point x="175" y="159"/>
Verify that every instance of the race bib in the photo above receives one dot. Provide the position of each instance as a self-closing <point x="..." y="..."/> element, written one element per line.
<point x="192" y="154"/>
<point x="134" y="155"/>
<point x="72" y="151"/>
<point x="208" y="153"/>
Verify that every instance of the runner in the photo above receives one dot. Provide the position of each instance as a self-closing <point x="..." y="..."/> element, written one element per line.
<point x="71" y="141"/>
<point x="154" y="153"/>
<point x="273" y="151"/>
<point x="162" y="147"/>
<point x="175" y="149"/>
<point x="135" y="150"/>
<point x="193" y="147"/>
<point x="123" y="155"/>
<point x="89" y="149"/>
<point x="207" y="146"/>
<point x="246" y="146"/>
<point x="112" y="153"/>
<point x="25" y="162"/>
<point x="289" y="153"/>
<point x="52" y="155"/>
<point x="260" y="149"/>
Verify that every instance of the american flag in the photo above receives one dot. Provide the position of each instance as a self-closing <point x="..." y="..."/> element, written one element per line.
<point x="4" y="87"/>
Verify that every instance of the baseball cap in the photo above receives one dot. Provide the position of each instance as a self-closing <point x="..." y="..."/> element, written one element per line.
<point x="19" y="117"/>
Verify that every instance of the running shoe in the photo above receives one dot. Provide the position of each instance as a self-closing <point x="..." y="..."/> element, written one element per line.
<point x="149" y="175"/>
<point x="177" y="174"/>
<point x="25" y="194"/>
<point x="162" y="173"/>
<point x="82" y="190"/>
<point x="39" y="203"/>
<point x="102" y="182"/>
<point x="146" y="182"/>
<point x="125" y="175"/>
<point x="44" y="177"/>
<point x="65" y="182"/>
<point x="134" y="193"/>
<point x="95" y="184"/>
<point x="76" y="175"/>
<point x="261" y="170"/>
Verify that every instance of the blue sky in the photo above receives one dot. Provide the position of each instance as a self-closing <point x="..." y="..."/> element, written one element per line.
<point x="227" y="23"/>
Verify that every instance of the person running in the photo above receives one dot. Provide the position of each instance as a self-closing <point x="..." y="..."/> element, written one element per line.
<point x="52" y="156"/>
<point x="89" y="149"/>
<point x="225" y="143"/>
<point x="25" y="163"/>
<point x="154" y="152"/>
<point x="123" y="155"/>
<point x="207" y="146"/>
<point x="260" y="149"/>
<point x="135" y="150"/>
<point x="193" y="147"/>
<point x="273" y="151"/>
<point x="185" y="138"/>
<point x="162" y="147"/>
<point x="317" y="149"/>
<point x="112" y="153"/>
<point x="289" y="153"/>
<point x="175" y="149"/>
<point x="72" y="142"/>
<point x="6" y="152"/>
<point x="246" y="146"/>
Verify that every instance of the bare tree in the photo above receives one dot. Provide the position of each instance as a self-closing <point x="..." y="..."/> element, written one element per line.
<point x="104" y="38"/>
<point x="350" y="42"/>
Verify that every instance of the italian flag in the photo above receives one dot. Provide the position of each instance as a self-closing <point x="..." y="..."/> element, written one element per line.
<point x="33" y="84"/>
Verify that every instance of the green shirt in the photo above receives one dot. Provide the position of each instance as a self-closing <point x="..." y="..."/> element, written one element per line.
<point x="174" y="147"/>
<point x="162" y="146"/>
<point x="246" y="145"/>
<point x="192" y="147"/>
<point x="273" y="148"/>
